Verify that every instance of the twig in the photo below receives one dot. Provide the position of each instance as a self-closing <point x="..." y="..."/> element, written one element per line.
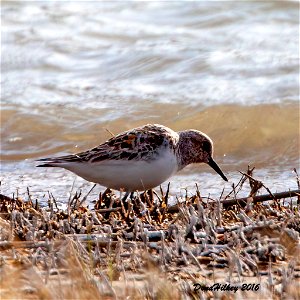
<point x="161" y="191"/>
<point x="255" y="180"/>
<point x="234" y="193"/>
<point x="240" y="183"/>
<point x="69" y="200"/>
<point x="298" y="183"/>
<point x="75" y="199"/>
<point x="167" y="194"/>
<point x="160" y="200"/>
<point x="54" y="200"/>
<point x="109" y="132"/>
<point x="85" y="197"/>
<point x="254" y="184"/>
<point x="106" y="210"/>
<point x="28" y="193"/>
<point x="198" y="192"/>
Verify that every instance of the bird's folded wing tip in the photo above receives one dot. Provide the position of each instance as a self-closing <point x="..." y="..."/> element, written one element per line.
<point x="44" y="159"/>
<point x="46" y="165"/>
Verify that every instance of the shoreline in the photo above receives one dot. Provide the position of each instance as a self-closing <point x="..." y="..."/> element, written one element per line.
<point x="120" y="249"/>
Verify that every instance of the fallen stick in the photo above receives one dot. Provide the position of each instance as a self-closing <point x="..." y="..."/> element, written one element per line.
<point x="256" y="199"/>
<point x="106" y="210"/>
<point x="4" y="245"/>
<point x="262" y="198"/>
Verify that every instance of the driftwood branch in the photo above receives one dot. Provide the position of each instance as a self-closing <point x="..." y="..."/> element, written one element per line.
<point x="256" y="199"/>
<point x="106" y="210"/>
<point x="262" y="198"/>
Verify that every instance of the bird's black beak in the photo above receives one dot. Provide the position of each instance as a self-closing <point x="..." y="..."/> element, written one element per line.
<point x="213" y="164"/>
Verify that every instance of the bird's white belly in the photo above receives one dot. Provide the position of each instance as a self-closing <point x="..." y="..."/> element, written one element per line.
<point x="129" y="175"/>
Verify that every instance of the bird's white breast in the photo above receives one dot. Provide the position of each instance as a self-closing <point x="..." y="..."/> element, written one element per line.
<point x="130" y="175"/>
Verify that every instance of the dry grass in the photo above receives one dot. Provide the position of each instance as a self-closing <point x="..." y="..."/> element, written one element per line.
<point x="139" y="250"/>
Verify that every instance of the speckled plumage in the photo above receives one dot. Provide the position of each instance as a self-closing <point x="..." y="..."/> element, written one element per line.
<point x="140" y="143"/>
<point x="140" y="158"/>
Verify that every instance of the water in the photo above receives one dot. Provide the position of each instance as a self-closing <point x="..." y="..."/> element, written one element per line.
<point x="73" y="70"/>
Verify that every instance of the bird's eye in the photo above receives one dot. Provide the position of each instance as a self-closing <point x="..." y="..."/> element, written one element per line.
<point x="206" y="146"/>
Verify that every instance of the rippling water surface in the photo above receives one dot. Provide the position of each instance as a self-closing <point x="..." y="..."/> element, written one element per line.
<point x="72" y="70"/>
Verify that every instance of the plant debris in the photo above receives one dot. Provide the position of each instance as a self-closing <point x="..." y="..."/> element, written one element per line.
<point x="143" y="248"/>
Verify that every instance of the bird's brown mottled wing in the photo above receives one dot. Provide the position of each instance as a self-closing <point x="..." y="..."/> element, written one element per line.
<point x="139" y="143"/>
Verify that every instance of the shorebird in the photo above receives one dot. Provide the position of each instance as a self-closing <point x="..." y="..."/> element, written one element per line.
<point x="139" y="159"/>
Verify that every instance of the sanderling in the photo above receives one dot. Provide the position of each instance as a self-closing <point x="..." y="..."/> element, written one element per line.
<point x="139" y="159"/>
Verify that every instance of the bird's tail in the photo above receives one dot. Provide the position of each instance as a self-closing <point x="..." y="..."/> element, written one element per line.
<point x="61" y="161"/>
<point x="51" y="161"/>
<point x="50" y="164"/>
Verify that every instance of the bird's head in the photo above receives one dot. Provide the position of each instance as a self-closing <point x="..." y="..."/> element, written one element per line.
<point x="196" y="147"/>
